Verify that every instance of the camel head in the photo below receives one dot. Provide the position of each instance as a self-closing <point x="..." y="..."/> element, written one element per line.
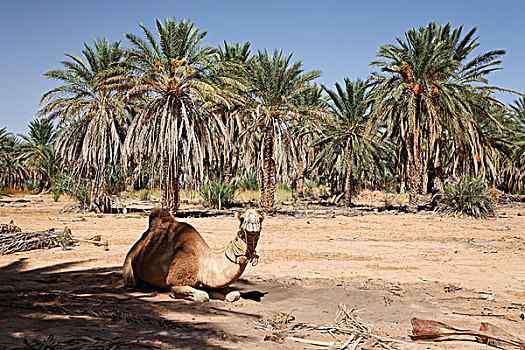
<point x="250" y="225"/>
<point x="250" y="221"/>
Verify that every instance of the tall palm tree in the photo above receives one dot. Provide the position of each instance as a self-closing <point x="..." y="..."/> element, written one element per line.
<point x="177" y="75"/>
<point x="40" y="152"/>
<point x="92" y="114"/>
<point x="232" y="59"/>
<point x="427" y="91"/>
<point x="313" y="103"/>
<point x="274" y="81"/>
<point x="13" y="171"/>
<point x="342" y="142"/>
<point x="508" y="146"/>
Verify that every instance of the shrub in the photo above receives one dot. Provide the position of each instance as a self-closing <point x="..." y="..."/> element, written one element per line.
<point x="467" y="196"/>
<point x="115" y="179"/>
<point x="144" y="195"/>
<point x="30" y="185"/>
<point x="76" y="188"/>
<point x="217" y="193"/>
<point x="249" y="182"/>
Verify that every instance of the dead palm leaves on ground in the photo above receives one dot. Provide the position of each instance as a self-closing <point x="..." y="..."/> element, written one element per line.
<point x="83" y="343"/>
<point x="347" y="332"/>
<point x="9" y="228"/>
<point x="26" y="241"/>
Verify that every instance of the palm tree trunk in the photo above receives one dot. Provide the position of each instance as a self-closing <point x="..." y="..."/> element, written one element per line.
<point x="172" y="193"/>
<point x="298" y="182"/>
<point x="268" y="189"/>
<point x="348" y="183"/>
<point x="300" y="185"/>
<point x="100" y="201"/>
<point x="170" y="188"/>
<point x="294" y="190"/>
<point x="414" y="160"/>
<point x="438" y="184"/>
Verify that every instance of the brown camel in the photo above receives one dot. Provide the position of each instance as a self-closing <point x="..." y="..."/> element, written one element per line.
<point x="173" y="255"/>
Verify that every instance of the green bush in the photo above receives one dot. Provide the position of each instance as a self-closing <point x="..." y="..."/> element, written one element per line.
<point x="30" y="185"/>
<point x="309" y="187"/>
<point x="115" y="179"/>
<point x="76" y="188"/>
<point x="249" y="182"/>
<point x="217" y="193"/>
<point x="144" y="195"/>
<point x="467" y="196"/>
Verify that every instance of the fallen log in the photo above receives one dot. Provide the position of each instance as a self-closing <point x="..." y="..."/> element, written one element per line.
<point x="488" y="333"/>
<point x="22" y="242"/>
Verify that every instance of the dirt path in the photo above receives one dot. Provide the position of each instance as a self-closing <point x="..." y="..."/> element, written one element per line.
<point x="389" y="268"/>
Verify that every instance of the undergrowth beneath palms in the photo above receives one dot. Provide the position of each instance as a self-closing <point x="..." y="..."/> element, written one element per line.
<point x="217" y="193"/>
<point x="467" y="196"/>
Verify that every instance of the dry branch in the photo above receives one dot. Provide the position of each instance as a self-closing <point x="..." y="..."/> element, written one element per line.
<point x="9" y="228"/>
<point x="84" y="343"/>
<point x="22" y="242"/>
<point x="488" y="333"/>
<point x="346" y="323"/>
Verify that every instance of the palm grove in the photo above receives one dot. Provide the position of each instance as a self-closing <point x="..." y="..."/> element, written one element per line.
<point x="174" y="113"/>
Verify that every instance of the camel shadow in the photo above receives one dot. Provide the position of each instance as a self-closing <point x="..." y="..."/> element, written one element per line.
<point x="71" y="303"/>
<point x="242" y="285"/>
<point x="253" y="295"/>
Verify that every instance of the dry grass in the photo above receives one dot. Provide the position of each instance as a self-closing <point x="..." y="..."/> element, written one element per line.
<point x="281" y="194"/>
<point x="390" y="267"/>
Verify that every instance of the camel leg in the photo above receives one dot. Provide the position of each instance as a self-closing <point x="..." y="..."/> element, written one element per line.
<point x="190" y="293"/>
<point x="226" y="294"/>
<point x="127" y="272"/>
<point x="217" y="294"/>
<point x="233" y="296"/>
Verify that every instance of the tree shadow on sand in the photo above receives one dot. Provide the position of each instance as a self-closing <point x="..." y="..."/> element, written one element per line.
<point x="70" y="303"/>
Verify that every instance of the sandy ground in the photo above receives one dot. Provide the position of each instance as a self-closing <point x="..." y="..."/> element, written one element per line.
<point x="387" y="267"/>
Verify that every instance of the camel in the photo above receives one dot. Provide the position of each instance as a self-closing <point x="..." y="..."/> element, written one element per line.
<point x="173" y="255"/>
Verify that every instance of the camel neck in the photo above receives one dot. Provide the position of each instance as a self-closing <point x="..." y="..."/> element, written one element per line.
<point x="239" y="251"/>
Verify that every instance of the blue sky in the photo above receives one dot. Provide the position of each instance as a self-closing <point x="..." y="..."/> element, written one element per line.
<point x="340" y="38"/>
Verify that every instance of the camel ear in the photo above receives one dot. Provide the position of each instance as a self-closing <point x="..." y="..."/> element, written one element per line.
<point x="238" y="215"/>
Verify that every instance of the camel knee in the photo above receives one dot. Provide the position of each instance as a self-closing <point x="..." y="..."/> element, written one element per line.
<point x="128" y="275"/>
<point x="190" y="293"/>
<point x="225" y="294"/>
<point x="233" y="296"/>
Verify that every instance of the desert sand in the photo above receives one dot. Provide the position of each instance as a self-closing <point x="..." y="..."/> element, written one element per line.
<point x="388" y="267"/>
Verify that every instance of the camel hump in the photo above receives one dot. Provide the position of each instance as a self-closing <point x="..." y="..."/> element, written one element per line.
<point x="160" y="215"/>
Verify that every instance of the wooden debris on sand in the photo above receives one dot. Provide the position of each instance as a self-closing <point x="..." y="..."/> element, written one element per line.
<point x="347" y="332"/>
<point x="22" y="242"/>
<point x="85" y="343"/>
<point x="487" y="334"/>
<point x="9" y="228"/>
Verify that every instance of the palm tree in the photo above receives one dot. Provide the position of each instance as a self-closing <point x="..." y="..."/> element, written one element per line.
<point x="273" y="83"/>
<point x="508" y="146"/>
<point x="40" y="152"/>
<point x="92" y="114"/>
<point x="232" y="59"/>
<point x="13" y="171"/>
<point x="313" y="103"/>
<point x="177" y="76"/>
<point x="342" y="143"/>
<point x="428" y="94"/>
<point x="4" y="139"/>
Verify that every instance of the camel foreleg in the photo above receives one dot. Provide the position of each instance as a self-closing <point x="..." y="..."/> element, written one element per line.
<point x="225" y="294"/>
<point x="188" y="292"/>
